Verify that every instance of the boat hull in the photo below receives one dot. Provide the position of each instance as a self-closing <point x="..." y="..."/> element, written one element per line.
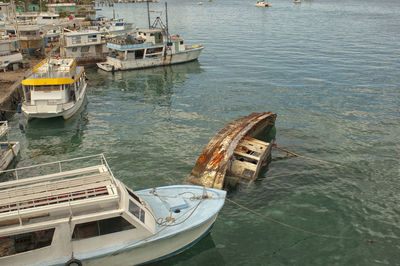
<point x="31" y="45"/>
<point x="31" y="112"/>
<point x="158" y="250"/>
<point x="178" y="58"/>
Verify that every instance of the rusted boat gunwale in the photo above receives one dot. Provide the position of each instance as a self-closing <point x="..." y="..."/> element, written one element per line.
<point x="212" y="164"/>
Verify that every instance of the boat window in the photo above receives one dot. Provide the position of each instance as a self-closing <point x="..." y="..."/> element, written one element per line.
<point x="74" y="49"/>
<point x="136" y="211"/>
<point x="92" y="38"/>
<point x="154" y="51"/>
<point x="76" y="39"/>
<point x="101" y="227"/>
<point x="14" y="244"/>
<point x="133" y="195"/>
<point x="85" y="49"/>
<point x="181" y="42"/>
<point x="139" y="54"/>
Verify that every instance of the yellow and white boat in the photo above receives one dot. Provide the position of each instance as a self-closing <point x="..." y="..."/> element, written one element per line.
<point x="56" y="88"/>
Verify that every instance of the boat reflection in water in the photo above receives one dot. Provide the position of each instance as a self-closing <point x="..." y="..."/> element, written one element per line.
<point x="200" y="254"/>
<point x="54" y="136"/>
<point x="151" y="85"/>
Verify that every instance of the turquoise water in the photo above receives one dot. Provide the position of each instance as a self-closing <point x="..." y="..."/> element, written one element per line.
<point x="329" y="69"/>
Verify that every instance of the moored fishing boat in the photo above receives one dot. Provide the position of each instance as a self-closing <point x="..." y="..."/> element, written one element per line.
<point x="85" y="215"/>
<point x="57" y="88"/>
<point x="8" y="149"/>
<point x="30" y="39"/>
<point x="148" y="48"/>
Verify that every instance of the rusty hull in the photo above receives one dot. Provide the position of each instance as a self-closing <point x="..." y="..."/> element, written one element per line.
<point x="211" y="166"/>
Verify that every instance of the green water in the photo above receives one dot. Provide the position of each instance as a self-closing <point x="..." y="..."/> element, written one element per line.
<point x="329" y="69"/>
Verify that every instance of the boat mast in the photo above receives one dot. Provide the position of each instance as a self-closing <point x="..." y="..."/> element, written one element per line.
<point x="113" y="13"/>
<point x="15" y="23"/>
<point x="148" y="12"/>
<point x="166" y="19"/>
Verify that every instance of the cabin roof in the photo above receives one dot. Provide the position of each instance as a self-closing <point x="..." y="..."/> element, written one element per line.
<point x="85" y="186"/>
<point x="47" y="81"/>
<point x="150" y="30"/>
<point x="77" y="33"/>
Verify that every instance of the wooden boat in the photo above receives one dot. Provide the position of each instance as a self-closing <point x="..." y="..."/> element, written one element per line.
<point x="57" y="88"/>
<point x="233" y="150"/>
<point x="8" y="149"/>
<point x="262" y="4"/>
<point x="149" y="48"/>
<point x="72" y="215"/>
<point x="30" y="38"/>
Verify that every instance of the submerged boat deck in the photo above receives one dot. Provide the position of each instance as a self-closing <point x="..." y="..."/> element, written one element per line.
<point x="233" y="151"/>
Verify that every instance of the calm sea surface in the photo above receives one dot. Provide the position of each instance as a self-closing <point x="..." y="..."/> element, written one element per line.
<point x="329" y="69"/>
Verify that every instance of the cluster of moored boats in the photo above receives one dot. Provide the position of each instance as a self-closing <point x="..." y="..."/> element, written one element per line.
<point x="73" y="215"/>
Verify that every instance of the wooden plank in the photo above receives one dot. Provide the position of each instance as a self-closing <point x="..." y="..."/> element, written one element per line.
<point x="252" y="157"/>
<point x="253" y="144"/>
<point x="243" y="169"/>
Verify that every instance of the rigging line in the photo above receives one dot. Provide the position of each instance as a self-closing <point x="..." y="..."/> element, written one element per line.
<point x="302" y="156"/>
<point x="294" y="227"/>
<point x="290" y="246"/>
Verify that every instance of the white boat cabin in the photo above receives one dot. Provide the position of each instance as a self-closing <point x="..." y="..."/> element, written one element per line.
<point x="55" y="84"/>
<point x="148" y="43"/>
<point x="8" y="54"/>
<point x="48" y="19"/>
<point x="83" y="45"/>
<point x="46" y="219"/>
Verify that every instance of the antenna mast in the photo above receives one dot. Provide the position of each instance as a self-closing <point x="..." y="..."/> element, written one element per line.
<point x="148" y="12"/>
<point x="166" y="19"/>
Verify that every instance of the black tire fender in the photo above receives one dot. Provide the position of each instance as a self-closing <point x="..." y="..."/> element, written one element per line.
<point x="73" y="262"/>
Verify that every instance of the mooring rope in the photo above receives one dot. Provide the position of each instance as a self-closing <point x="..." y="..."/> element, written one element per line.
<point x="294" y="227"/>
<point x="302" y="156"/>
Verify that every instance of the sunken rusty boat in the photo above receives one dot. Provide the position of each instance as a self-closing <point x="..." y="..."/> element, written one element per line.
<point x="234" y="151"/>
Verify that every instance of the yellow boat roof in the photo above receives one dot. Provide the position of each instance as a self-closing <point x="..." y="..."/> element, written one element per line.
<point x="53" y="81"/>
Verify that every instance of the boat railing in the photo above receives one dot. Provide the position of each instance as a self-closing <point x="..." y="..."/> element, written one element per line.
<point x="61" y="186"/>
<point x="62" y="169"/>
<point x="58" y="73"/>
<point x="3" y="128"/>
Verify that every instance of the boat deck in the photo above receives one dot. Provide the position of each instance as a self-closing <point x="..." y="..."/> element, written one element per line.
<point x="72" y="187"/>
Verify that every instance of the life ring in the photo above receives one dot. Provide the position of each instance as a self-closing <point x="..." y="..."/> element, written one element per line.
<point x="72" y="262"/>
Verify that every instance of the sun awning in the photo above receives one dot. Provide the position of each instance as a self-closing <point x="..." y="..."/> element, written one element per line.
<point x="53" y="81"/>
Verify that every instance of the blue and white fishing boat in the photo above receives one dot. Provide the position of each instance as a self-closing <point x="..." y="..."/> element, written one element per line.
<point x="150" y="47"/>
<point x="75" y="216"/>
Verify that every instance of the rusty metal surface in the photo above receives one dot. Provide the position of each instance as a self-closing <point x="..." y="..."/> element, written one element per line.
<point x="211" y="166"/>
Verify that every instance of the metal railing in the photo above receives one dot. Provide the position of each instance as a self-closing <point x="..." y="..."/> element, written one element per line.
<point x="15" y="172"/>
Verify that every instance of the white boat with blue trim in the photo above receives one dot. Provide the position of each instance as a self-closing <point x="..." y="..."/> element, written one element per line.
<point x="57" y="88"/>
<point x="85" y="216"/>
<point x="148" y="48"/>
